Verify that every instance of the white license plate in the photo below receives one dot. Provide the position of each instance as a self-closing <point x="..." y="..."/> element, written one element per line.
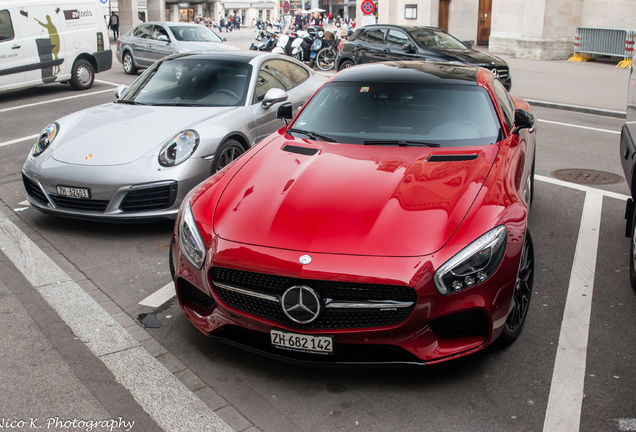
<point x="302" y="343"/>
<point x="73" y="192"/>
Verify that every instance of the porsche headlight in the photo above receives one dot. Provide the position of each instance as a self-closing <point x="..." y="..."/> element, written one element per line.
<point x="179" y="148"/>
<point x="46" y="138"/>
<point x="473" y="264"/>
<point x="190" y="240"/>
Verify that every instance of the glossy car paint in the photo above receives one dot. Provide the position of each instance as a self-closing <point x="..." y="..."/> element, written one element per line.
<point x="112" y="148"/>
<point x="355" y="210"/>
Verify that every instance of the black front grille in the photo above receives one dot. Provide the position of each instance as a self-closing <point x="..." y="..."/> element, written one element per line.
<point x="150" y="198"/>
<point x="343" y="353"/>
<point x="463" y="324"/>
<point x="188" y="293"/>
<point x="329" y="318"/>
<point x="503" y="72"/>
<point x="80" y="203"/>
<point x="32" y="189"/>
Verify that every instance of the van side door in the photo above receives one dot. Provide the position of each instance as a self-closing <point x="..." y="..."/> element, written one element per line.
<point x="12" y="67"/>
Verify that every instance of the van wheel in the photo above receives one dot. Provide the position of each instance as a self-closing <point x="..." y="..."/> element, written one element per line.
<point x="129" y="64"/>
<point x="83" y="75"/>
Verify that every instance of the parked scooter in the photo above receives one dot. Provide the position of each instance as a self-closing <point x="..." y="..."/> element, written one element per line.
<point x="301" y="46"/>
<point x="284" y="44"/>
<point x="265" y="40"/>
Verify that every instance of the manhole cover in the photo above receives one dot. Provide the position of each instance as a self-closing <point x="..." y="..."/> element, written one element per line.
<point x="587" y="176"/>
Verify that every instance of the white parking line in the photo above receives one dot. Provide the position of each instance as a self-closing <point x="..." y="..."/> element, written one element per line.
<point x="54" y="100"/>
<point x="159" y="297"/>
<point x="17" y="140"/>
<point x="568" y="379"/>
<point x="579" y="126"/>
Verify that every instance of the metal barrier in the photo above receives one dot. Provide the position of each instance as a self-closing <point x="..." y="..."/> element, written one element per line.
<point x="589" y="42"/>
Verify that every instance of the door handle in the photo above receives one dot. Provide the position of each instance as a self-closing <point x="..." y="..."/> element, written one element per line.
<point x="16" y="47"/>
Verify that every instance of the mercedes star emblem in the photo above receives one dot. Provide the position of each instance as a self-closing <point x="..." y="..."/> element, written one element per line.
<point x="301" y="304"/>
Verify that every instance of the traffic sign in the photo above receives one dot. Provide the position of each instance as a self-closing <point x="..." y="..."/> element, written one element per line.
<point x="286" y="7"/>
<point x="367" y="7"/>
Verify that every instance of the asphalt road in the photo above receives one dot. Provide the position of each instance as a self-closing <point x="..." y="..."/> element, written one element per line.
<point x="581" y="282"/>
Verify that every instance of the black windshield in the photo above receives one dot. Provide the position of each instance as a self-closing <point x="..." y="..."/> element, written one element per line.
<point x="402" y="113"/>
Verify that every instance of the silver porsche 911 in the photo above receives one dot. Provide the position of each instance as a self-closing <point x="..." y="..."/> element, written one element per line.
<point x="184" y="118"/>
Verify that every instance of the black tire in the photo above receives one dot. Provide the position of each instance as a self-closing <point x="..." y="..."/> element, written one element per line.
<point x="82" y="75"/>
<point x="128" y="64"/>
<point x="632" y="253"/>
<point x="522" y="295"/>
<point x="345" y="64"/>
<point x="226" y="153"/>
<point x="170" y="262"/>
<point x="311" y="63"/>
<point x="326" y="59"/>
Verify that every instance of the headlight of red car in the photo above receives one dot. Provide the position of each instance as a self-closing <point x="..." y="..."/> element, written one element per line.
<point x="190" y="240"/>
<point x="473" y="264"/>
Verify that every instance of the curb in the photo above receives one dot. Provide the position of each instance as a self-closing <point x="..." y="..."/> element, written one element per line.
<point x="577" y="108"/>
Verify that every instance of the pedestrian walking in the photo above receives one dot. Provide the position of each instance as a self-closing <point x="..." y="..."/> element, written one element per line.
<point x="113" y="24"/>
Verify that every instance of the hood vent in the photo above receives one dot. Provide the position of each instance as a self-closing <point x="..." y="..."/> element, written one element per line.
<point x="300" y="150"/>
<point x="452" y="157"/>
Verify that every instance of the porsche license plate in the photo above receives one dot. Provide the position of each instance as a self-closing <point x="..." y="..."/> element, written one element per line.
<point x="74" y="192"/>
<point x="302" y="343"/>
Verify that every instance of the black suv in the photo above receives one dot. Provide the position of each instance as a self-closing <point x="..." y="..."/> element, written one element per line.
<point x="376" y="43"/>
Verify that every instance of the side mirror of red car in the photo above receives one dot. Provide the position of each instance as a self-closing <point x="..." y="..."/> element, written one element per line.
<point x="523" y="120"/>
<point x="285" y="112"/>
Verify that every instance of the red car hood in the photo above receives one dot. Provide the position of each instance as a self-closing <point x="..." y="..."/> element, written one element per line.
<point x="351" y="199"/>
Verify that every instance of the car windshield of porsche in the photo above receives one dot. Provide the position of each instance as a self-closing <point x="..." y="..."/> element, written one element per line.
<point x="194" y="33"/>
<point x="401" y="114"/>
<point x="191" y="81"/>
<point x="435" y="39"/>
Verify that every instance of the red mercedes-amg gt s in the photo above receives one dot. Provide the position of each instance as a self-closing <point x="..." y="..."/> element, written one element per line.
<point x="386" y="224"/>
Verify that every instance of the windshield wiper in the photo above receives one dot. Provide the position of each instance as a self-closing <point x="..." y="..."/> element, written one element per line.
<point x="180" y="104"/>
<point x="128" y="102"/>
<point x="313" y="135"/>
<point x="401" y="143"/>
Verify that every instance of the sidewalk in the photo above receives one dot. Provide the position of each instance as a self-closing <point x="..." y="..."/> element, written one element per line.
<point x="594" y="84"/>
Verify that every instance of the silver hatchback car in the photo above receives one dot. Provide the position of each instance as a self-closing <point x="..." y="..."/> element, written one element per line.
<point x="148" y="42"/>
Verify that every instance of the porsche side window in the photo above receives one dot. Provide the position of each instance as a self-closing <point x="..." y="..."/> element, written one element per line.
<point x="373" y="36"/>
<point x="273" y="74"/>
<point x="6" y="28"/>
<point x="297" y="74"/>
<point x="504" y="101"/>
<point x="396" y="39"/>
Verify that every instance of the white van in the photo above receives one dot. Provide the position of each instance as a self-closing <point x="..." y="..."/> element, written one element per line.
<point x="44" y="41"/>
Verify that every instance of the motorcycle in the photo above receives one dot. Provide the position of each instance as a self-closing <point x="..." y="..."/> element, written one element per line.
<point x="265" y="40"/>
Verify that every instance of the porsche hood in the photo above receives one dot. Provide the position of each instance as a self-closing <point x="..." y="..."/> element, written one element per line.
<point x="350" y="199"/>
<point x="113" y="134"/>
